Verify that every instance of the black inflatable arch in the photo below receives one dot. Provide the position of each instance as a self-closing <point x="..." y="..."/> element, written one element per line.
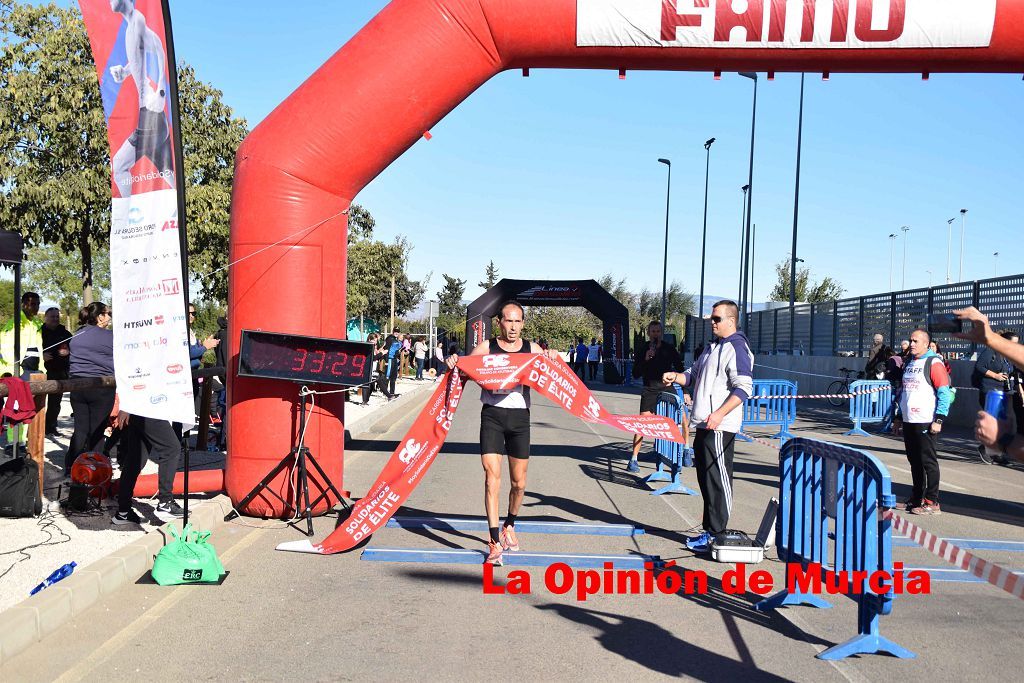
<point x="584" y="293"/>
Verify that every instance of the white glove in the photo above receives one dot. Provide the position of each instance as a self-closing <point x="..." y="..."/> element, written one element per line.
<point x="153" y="100"/>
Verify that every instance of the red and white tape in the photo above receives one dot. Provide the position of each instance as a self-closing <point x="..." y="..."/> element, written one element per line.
<point x="849" y="395"/>
<point x="983" y="569"/>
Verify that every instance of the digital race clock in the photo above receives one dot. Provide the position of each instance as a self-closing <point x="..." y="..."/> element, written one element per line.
<point x="304" y="359"/>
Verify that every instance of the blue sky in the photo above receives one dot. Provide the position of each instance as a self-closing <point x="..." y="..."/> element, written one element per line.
<point x="566" y="161"/>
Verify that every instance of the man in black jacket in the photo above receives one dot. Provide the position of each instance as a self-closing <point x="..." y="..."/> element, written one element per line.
<point x="651" y="362"/>
<point x="878" y="354"/>
<point x="57" y="360"/>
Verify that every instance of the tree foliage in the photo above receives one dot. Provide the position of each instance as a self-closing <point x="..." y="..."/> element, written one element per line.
<point x="449" y="299"/>
<point x="490" y="277"/>
<point x="54" y="154"/>
<point x="806" y="290"/>
<point x="53" y="274"/>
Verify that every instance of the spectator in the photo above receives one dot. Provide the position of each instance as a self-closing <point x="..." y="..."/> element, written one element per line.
<point x="367" y="389"/>
<point x="720" y="380"/>
<point x="438" y="360"/>
<point x="57" y="358"/>
<point x="934" y="347"/>
<point x="406" y="354"/>
<point x="923" y="403"/>
<point x="92" y="355"/>
<point x="593" y="357"/>
<point x="196" y="350"/>
<point x="581" y="358"/>
<point x="419" y="350"/>
<point x="392" y="353"/>
<point x="572" y="355"/>
<point x="220" y="353"/>
<point x="31" y="339"/>
<point x="650" y="363"/>
<point x="992" y="372"/>
<point x="988" y="431"/>
<point x="878" y="355"/>
<point x="159" y="439"/>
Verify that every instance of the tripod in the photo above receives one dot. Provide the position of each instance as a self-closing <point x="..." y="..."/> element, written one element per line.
<point x="301" y="455"/>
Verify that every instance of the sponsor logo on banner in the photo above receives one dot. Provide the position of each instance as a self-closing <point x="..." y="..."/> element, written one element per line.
<point x="411" y="450"/>
<point x="546" y="293"/>
<point x="136" y="324"/>
<point x="159" y="398"/>
<point x="174" y="369"/>
<point x="496" y="361"/>
<point x="478" y="333"/>
<point x="813" y="24"/>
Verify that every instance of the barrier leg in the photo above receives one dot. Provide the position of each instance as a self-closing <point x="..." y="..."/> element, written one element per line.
<point x="869" y="640"/>
<point x="676" y="478"/>
<point x="857" y="430"/>
<point x="744" y="437"/>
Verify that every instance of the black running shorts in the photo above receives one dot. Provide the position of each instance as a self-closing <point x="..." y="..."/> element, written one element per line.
<point x="649" y="399"/>
<point x="505" y="431"/>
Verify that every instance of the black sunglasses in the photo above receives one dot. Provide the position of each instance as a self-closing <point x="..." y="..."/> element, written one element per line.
<point x="191" y="312"/>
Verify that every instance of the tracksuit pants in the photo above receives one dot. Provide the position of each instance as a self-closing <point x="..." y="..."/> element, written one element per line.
<point x="713" y="455"/>
<point x="924" y="462"/>
<point x="144" y="438"/>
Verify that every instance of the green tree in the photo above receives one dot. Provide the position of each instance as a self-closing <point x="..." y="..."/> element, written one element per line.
<point x="54" y="154"/>
<point x="360" y="224"/>
<point x="449" y="299"/>
<point x="371" y="265"/>
<point x="490" y="277"/>
<point x="53" y="274"/>
<point x="806" y="290"/>
<point x="560" y="326"/>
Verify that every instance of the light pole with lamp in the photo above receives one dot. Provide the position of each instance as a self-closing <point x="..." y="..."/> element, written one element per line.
<point x="704" y="239"/>
<point x="750" y="196"/>
<point x="892" y="255"/>
<point x="796" y="215"/>
<point x="664" y="272"/>
<point x="949" y="247"/>
<point x="995" y="265"/>
<point x="929" y="278"/>
<point x="903" y="282"/>
<point x="963" y="228"/>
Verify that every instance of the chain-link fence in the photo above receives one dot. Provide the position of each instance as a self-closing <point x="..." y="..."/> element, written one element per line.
<point x="845" y="327"/>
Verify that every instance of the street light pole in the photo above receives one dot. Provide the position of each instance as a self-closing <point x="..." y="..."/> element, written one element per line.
<point x="743" y="236"/>
<point x="892" y="254"/>
<point x="704" y="239"/>
<point x="949" y="247"/>
<point x="905" y="229"/>
<point x="963" y="228"/>
<point x="929" y="278"/>
<point x="995" y="265"/>
<point x="796" y="208"/>
<point x="750" y="196"/>
<point x="664" y="272"/>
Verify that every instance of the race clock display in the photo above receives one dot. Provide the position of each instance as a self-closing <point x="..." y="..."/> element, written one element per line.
<point x="304" y="359"/>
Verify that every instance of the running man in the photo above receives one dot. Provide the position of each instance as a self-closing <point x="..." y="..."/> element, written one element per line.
<point x="505" y="430"/>
<point x="152" y="138"/>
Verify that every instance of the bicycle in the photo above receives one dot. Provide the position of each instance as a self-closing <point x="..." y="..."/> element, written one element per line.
<point x="841" y="386"/>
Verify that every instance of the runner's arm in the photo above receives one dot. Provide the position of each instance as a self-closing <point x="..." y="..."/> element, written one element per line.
<point x="983" y="333"/>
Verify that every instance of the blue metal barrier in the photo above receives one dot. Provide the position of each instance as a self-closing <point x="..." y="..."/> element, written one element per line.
<point x="869" y="407"/>
<point x="830" y="514"/>
<point x="672" y="456"/>
<point x="759" y="411"/>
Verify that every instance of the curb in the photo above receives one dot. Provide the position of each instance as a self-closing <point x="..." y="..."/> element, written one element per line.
<point x="40" y="615"/>
<point x="371" y="425"/>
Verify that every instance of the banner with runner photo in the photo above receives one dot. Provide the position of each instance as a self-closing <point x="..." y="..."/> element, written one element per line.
<point x="131" y="46"/>
<point x="421" y="445"/>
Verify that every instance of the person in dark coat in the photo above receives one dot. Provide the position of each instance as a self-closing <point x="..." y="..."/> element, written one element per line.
<point x="57" y="360"/>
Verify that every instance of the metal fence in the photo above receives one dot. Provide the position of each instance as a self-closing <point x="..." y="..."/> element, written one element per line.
<point x="845" y="327"/>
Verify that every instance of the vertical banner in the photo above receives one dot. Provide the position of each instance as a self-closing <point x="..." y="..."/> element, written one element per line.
<point x="131" y="46"/>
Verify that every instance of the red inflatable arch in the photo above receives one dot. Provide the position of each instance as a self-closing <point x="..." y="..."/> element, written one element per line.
<point x="418" y="59"/>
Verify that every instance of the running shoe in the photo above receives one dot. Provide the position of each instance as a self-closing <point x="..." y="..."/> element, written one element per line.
<point x="909" y="504"/>
<point x="121" y="518"/>
<point x="508" y="539"/>
<point x="633" y="466"/>
<point x="169" y="508"/>
<point x="493" y="554"/>
<point x="699" y="544"/>
<point x="928" y="507"/>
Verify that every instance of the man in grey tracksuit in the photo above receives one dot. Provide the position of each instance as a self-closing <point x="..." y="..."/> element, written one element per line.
<point x="721" y="379"/>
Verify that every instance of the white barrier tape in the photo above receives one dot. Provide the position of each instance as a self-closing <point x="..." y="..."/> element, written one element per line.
<point x="987" y="571"/>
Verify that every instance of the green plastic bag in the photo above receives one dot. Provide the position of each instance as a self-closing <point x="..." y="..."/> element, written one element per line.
<point x="187" y="559"/>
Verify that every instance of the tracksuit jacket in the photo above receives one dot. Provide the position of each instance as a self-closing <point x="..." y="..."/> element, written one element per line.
<point x="724" y="369"/>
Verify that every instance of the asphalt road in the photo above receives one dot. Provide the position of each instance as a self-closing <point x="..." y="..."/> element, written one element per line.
<point x="281" y="616"/>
